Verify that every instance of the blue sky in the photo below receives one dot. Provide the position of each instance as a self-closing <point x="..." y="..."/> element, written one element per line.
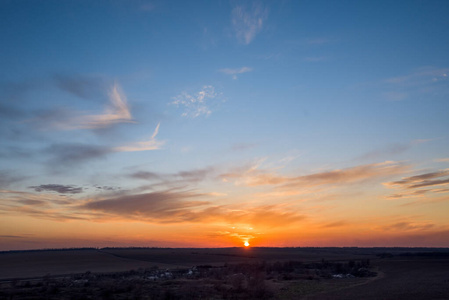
<point x="315" y="112"/>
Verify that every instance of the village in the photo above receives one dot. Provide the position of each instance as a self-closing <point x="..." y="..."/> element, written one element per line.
<point x="229" y="281"/>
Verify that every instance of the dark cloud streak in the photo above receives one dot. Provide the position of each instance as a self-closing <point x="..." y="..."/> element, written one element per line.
<point x="334" y="224"/>
<point x="81" y="86"/>
<point x="182" y="177"/>
<point x="422" y="180"/>
<point x="408" y="226"/>
<point x="429" y="183"/>
<point x="421" y="177"/>
<point x="32" y="202"/>
<point x="165" y="206"/>
<point x="7" y="178"/>
<point x="73" y="154"/>
<point x="168" y="206"/>
<point x="415" y="183"/>
<point x="145" y="175"/>
<point x="12" y="237"/>
<point x="59" y="188"/>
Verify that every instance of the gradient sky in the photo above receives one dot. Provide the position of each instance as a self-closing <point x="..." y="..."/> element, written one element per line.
<point x="212" y="123"/>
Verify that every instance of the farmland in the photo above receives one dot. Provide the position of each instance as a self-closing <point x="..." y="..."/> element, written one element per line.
<point x="226" y="273"/>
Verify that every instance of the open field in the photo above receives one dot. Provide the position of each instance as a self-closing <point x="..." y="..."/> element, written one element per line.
<point x="412" y="278"/>
<point x="227" y="273"/>
<point x="29" y="264"/>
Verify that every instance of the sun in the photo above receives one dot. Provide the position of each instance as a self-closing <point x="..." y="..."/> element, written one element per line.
<point x="246" y="243"/>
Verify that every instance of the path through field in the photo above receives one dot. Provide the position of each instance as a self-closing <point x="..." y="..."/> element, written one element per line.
<point x="421" y="278"/>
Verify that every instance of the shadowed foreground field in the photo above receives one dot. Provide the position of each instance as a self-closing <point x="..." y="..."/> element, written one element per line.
<point x="226" y="273"/>
<point x="411" y="278"/>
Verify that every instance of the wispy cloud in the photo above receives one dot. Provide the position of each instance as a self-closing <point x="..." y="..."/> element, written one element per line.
<point x="167" y="206"/>
<point x="116" y="112"/>
<point x="253" y="176"/>
<point x="69" y="154"/>
<point x="13" y="236"/>
<point x="424" y="75"/>
<point x="187" y="206"/>
<point x="197" y="104"/>
<point x="175" y="180"/>
<point x="235" y="72"/>
<point x="163" y="206"/>
<point x="389" y="150"/>
<point x="413" y="194"/>
<point x="32" y="202"/>
<point x="422" y="194"/>
<point x="334" y="224"/>
<point x="428" y="80"/>
<point x="422" y="180"/>
<point x="409" y="226"/>
<point x="151" y="144"/>
<point x="44" y="206"/>
<point x="412" y="187"/>
<point x="233" y="234"/>
<point x="428" y="200"/>
<point x="247" y="22"/>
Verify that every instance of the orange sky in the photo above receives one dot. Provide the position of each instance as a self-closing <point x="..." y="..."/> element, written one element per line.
<point x="214" y="123"/>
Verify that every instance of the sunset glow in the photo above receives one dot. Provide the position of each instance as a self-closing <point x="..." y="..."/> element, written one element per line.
<point x="217" y="124"/>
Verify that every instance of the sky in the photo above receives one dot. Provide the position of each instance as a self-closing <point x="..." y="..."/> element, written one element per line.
<point x="215" y="123"/>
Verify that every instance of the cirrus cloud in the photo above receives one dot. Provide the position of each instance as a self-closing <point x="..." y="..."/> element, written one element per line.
<point x="253" y="176"/>
<point x="235" y="72"/>
<point x="116" y="112"/>
<point x="247" y="22"/>
<point x="151" y="144"/>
